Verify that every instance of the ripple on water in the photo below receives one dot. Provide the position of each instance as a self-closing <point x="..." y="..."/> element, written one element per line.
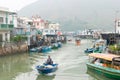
<point x="71" y="60"/>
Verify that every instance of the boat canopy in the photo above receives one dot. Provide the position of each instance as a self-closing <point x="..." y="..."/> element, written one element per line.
<point x="104" y="56"/>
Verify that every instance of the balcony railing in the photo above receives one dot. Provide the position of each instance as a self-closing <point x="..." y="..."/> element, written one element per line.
<point x="6" y="26"/>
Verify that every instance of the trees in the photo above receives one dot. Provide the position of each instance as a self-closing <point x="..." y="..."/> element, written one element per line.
<point x="115" y="49"/>
<point x="19" y="38"/>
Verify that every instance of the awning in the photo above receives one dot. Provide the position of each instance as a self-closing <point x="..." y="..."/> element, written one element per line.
<point x="104" y="56"/>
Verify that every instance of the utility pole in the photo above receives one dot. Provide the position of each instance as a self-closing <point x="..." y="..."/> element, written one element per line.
<point x="28" y="35"/>
<point x="116" y="18"/>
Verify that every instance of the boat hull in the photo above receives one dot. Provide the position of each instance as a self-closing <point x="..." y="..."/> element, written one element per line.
<point x="55" y="46"/>
<point x="104" y="71"/>
<point x="59" y="45"/>
<point x="90" y="50"/>
<point x="46" y="49"/>
<point x="93" y="50"/>
<point x="77" y="42"/>
<point x="47" y="70"/>
<point x="33" y="50"/>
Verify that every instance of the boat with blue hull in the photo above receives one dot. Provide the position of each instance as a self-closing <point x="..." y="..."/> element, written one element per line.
<point x="55" y="46"/>
<point x="46" y="49"/>
<point x="59" y="44"/>
<point x="33" y="50"/>
<point x="42" y="49"/>
<point x="46" y="68"/>
<point x="90" y="50"/>
<point x="98" y="47"/>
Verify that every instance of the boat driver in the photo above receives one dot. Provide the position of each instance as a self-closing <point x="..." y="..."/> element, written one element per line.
<point x="49" y="61"/>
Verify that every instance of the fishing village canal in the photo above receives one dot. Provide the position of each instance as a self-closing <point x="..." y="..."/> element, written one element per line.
<point x="59" y="40"/>
<point x="71" y="59"/>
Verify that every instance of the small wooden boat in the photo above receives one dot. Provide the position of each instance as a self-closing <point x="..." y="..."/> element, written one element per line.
<point x="98" y="47"/>
<point x="39" y="49"/>
<point x="46" y="49"/>
<point x="107" y="65"/>
<point x="33" y="50"/>
<point x="45" y="68"/>
<point x="59" y="44"/>
<point x="89" y="50"/>
<point x="77" y="41"/>
<point x="54" y="46"/>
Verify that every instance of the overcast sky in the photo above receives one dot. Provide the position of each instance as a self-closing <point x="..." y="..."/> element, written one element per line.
<point x="15" y="5"/>
<point x="94" y="12"/>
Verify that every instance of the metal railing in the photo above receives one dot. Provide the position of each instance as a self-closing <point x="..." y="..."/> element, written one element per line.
<point x="6" y="26"/>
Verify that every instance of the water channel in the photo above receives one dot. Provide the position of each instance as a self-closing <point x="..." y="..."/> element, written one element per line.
<point x="71" y="59"/>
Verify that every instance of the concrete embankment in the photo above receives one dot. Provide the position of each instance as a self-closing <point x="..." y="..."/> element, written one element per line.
<point x="13" y="49"/>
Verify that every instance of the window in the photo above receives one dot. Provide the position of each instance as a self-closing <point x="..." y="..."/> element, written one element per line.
<point x="1" y="19"/>
<point x="6" y="20"/>
<point x="118" y="24"/>
<point x="37" y="24"/>
<point x="11" y="22"/>
<point x="46" y="31"/>
<point x="30" y="23"/>
<point x="51" y="31"/>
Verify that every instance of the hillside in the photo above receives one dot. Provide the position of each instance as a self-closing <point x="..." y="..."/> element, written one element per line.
<point x="75" y="14"/>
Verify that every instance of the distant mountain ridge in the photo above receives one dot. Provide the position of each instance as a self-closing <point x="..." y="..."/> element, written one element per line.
<point x="75" y="14"/>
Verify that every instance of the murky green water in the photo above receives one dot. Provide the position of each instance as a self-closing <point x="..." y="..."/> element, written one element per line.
<point x="11" y="66"/>
<point x="71" y="60"/>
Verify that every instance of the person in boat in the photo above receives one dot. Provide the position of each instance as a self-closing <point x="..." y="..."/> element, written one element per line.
<point x="49" y="61"/>
<point x="97" y="61"/>
<point x="94" y="60"/>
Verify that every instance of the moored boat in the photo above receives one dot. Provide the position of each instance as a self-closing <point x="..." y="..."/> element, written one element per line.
<point x="89" y="50"/>
<point x="77" y="41"/>
<point x="99" y="46"/>
<point x="33" y="50"/>
<point x="59" y="44"/>
<point x="46" y="49"/>
<point x="107" y="65"/>
<point x="55" y="46"/>
<point x="99" y="49"/>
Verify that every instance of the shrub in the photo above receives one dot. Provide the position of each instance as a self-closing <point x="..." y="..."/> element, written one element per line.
<point x="114" y="47"/>
<point x="19" y="38"/>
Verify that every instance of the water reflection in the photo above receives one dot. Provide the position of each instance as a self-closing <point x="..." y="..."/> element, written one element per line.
<point x="10" y="66"/>
<point x="97" y="76"/>
<point x="45" y="77"/>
